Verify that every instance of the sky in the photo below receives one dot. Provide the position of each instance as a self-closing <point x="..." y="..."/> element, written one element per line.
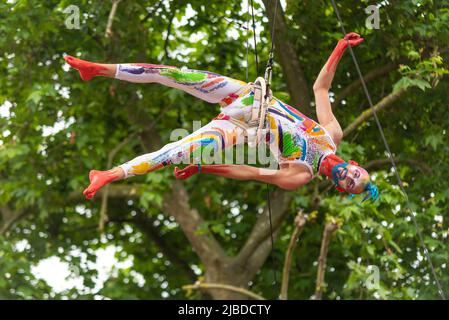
<point x="60" y="277"/>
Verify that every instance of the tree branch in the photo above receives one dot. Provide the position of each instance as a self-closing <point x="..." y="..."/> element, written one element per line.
<point x="414" y="163"/>
<point x="150" y="12"/>
<point x="176" y="205"/>
<point x="205" y="245"/>
<point x="169" y="28"/>
<point x="258" y="246"/>
<point x="329" y="229"/>
<point x="115" y="191"/>
<point x="382" y="104"/>
<point x="300" y="222"/>
<point x="261" y="230"/>
<point x="200" y="285"/>
<point x="105" y="193"/>
<point x="9" y="217"/>
<point x="149" y="137"/>
<point x="259" y="256"/>
<point x="146" y="226"/>
<point x="371" y="75"/>
<point x="109" y="33"/>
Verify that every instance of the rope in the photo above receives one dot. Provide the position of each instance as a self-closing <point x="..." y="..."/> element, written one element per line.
<point x="268" y="74"/>
<point x="273" y="29"/>
<point x="267" y="80"/>
<point x="271" y="229"/>
<point x="247" y="43"/>
<point x="269" y="68"/>
<point x="393" y="163"/>
<point x="254" y="37"/>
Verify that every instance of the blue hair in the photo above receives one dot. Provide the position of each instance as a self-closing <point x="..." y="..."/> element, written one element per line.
<point x="372" y="192"/>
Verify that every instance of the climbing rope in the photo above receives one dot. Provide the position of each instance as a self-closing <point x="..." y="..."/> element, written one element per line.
<point x="254" y="37"/>
<point x="247" y="44"/>
<point x="269" y="68"/>
<point x="390" y="155"/>
<point x="268" y="74"/>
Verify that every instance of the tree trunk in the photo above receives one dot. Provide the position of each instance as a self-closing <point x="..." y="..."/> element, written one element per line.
<point x="288" y="58"/>
<point x="227" y="273"/>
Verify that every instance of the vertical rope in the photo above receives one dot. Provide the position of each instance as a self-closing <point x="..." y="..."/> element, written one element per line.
<point x="273" y="29"/>
<point x="393" y="163"/>
<point x="247" y="43"/>
<point x="254" y="37"/>
<point x="270" y="62"/>
<point x="268" y="73"/>
<point x="271" y="231"/>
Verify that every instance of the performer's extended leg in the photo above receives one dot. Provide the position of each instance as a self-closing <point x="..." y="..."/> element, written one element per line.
<point x="208" y="86"/>
<point x="215" y="136"/>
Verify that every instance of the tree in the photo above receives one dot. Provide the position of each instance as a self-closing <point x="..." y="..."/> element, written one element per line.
<point x="55" y="128"/>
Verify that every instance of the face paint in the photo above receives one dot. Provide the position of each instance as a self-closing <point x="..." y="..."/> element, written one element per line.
<point x="357" y="179"/>
<point x="349" y="177"/>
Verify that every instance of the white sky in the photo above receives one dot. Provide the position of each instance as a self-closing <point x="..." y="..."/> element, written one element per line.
<point x="59" y="276"/>
<point x="5" y="109"/>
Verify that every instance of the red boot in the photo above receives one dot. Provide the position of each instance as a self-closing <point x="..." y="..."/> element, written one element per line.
<point x="99" y="179"/>
<point x="87" y="69"/>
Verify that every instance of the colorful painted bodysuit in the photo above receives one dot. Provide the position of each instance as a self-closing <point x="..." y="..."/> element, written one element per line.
<point x="293" y="137"/>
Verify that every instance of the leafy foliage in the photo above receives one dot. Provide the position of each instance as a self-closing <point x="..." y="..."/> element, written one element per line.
<point x="55" y="128"/>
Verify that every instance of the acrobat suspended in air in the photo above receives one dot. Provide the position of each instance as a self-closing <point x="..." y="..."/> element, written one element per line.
<point x="302" y="147"/>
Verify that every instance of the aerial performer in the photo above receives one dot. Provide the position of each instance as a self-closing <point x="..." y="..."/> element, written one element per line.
<point x="302" y="147"/>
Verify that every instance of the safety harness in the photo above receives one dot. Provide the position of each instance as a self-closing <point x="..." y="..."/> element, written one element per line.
<point x="256" y="125"/>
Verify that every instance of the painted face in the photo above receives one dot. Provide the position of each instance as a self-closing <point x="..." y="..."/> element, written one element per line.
<point x="351" y="178"/>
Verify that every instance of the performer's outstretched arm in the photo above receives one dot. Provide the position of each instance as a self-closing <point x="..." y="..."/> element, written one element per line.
<point x="289" y="178"/>
<point x="323" y="83"/>
<point x="208" y="86"/>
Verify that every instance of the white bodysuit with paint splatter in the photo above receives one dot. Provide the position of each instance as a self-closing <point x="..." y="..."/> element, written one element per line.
<point x="293" y="137"/>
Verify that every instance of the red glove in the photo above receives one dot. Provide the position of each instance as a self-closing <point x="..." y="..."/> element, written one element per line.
<point x="187" y="172"/>
<point x="353" y="39"/>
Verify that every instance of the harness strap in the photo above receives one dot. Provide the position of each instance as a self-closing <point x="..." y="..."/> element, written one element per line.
<point x="256" y="124"/>
<point x="259" y="95"/>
